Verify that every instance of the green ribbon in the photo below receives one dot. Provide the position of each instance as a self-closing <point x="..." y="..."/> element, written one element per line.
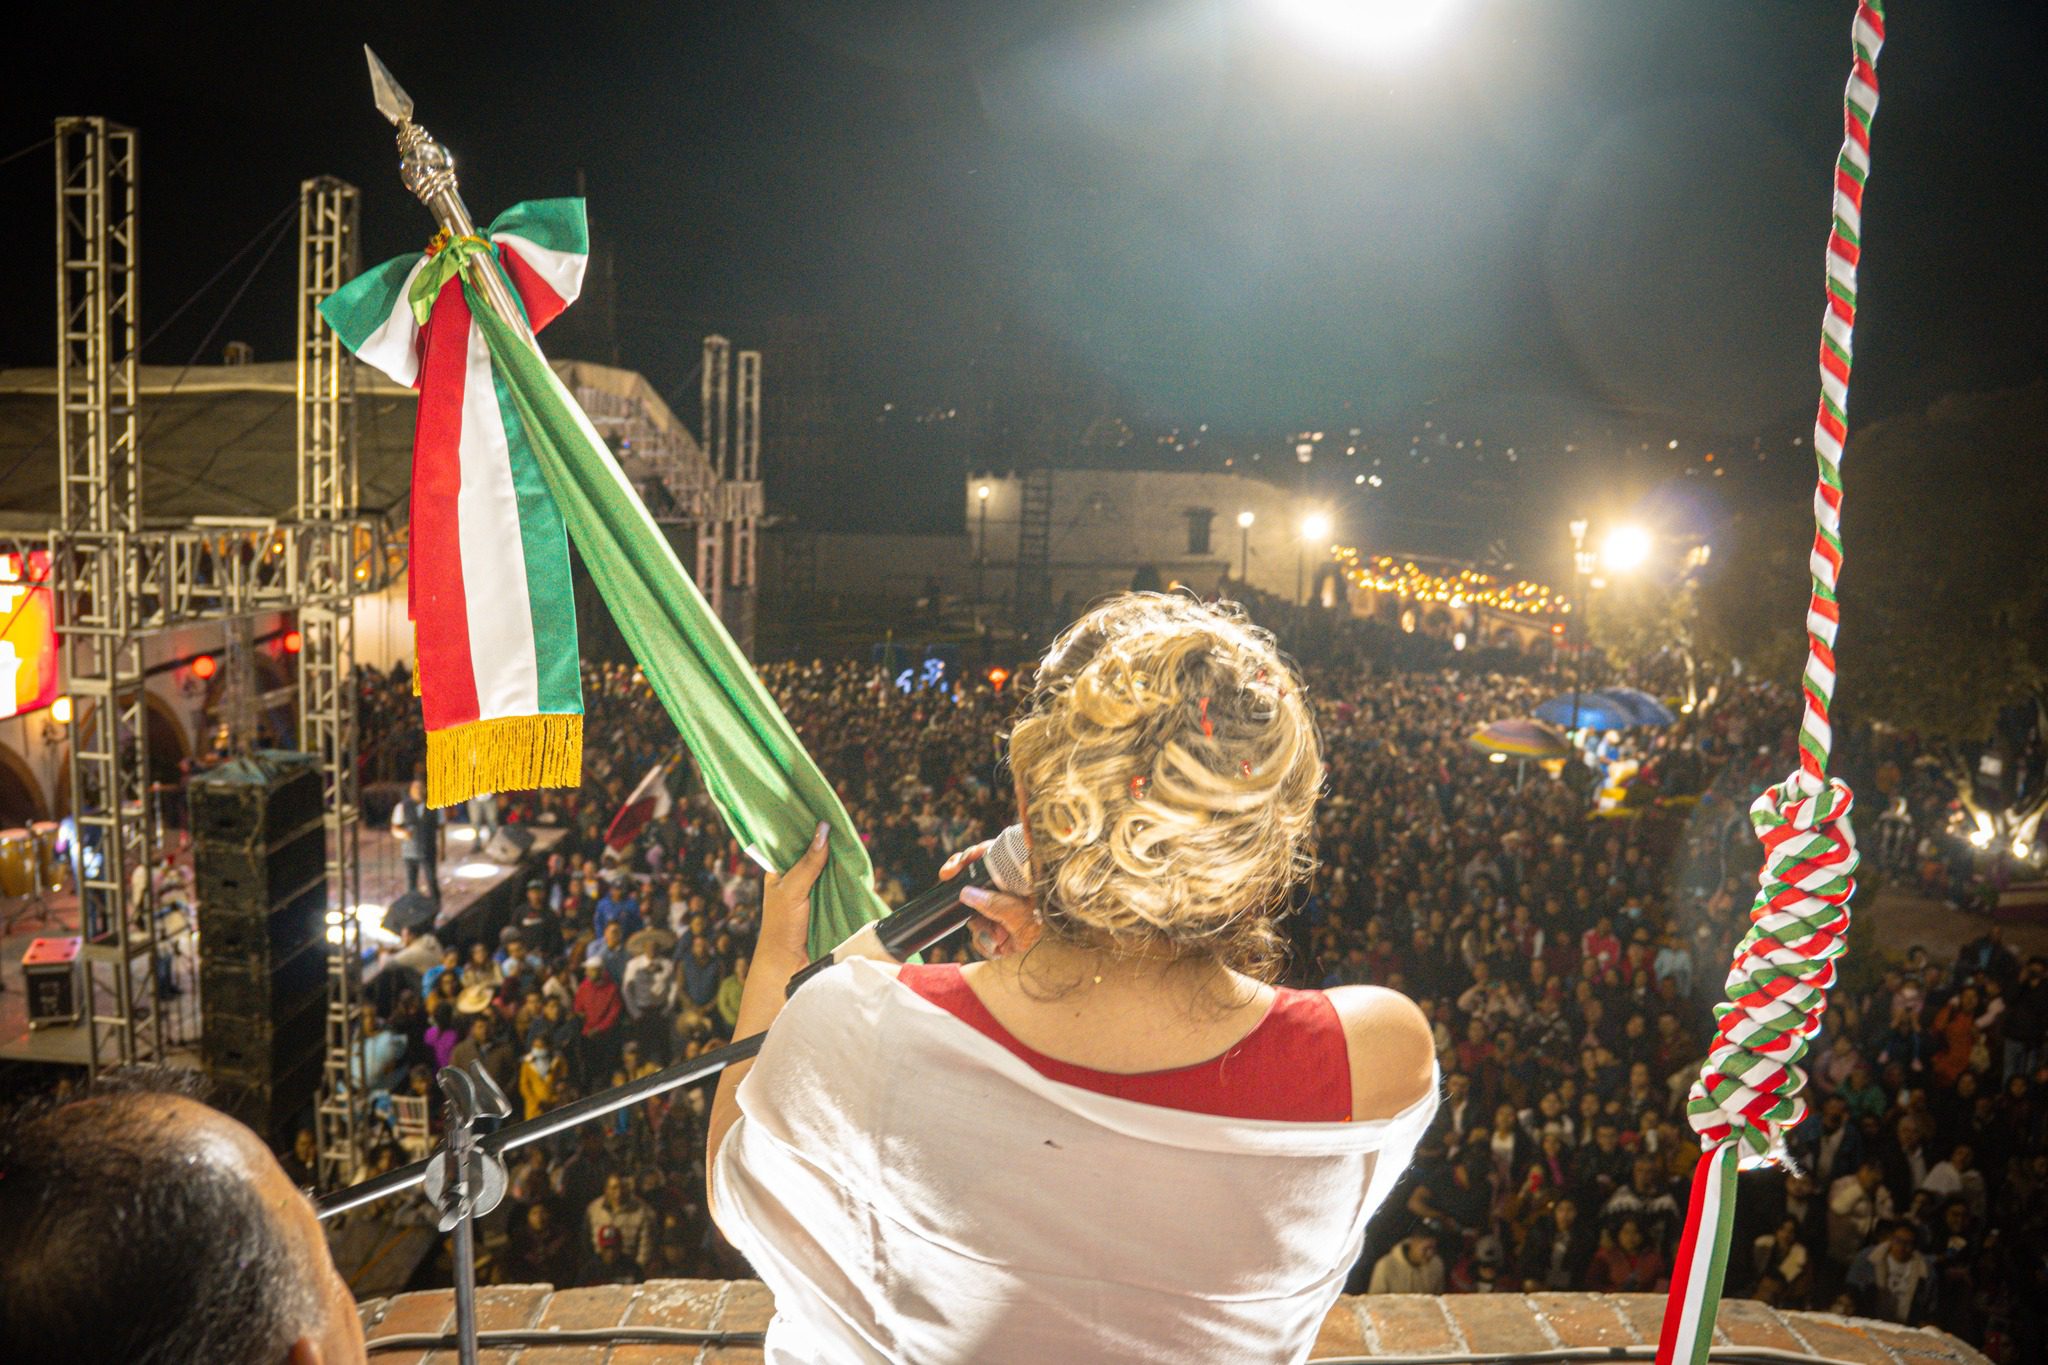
<point x="443" y="266"/>
<point x="750" y="758"/>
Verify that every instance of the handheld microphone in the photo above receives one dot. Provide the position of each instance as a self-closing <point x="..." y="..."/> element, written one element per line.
<point x="926" y="918"/>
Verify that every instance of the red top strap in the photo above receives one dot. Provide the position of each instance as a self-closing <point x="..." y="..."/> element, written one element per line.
<point x="1294" y="1066"/>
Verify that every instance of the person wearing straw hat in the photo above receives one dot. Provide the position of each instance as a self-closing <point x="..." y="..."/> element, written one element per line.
<point x="476" y="998"/>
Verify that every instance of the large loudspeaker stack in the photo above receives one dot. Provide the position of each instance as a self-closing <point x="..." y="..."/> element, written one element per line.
<point x="259" y="861"/>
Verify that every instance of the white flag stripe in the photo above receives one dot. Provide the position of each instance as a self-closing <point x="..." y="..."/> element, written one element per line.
<point x="394" y="348"/>
<point x="501" y="644"/>
<point x="563" y="270"/>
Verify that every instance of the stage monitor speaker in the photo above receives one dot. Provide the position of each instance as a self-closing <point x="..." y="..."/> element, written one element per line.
<point x="259" y="870"/>
<point x="508" y="845"/>
<point x="271" y="789"/>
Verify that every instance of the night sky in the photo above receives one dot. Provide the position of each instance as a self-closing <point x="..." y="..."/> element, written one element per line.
<point x="1586" y="223"/>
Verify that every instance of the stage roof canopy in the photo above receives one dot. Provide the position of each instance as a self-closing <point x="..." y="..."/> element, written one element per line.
<point x="221" y="440"/>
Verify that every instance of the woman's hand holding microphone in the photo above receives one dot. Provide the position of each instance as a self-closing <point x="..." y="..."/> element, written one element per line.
<point x="1001" y="924"/>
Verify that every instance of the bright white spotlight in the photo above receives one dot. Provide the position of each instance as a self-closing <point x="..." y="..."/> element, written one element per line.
<point x="476" y="872"/>
<point x="1625" y="550"/>
<point x="1315" y="527"/>
<point x="1377" y="29"/>
<point x="1245" y="520"/>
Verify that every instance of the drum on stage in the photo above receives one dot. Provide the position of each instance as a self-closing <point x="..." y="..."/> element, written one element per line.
<point x="48" y="835"/>
<point x="17" y="862"/>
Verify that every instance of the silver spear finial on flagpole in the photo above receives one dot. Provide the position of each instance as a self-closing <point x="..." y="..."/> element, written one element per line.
<point x="428" y="169"/>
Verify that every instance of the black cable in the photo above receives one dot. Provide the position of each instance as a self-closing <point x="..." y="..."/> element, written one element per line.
<point x="45" y="444"/>
<point x="215" y="278"/>
<point x="32" y="147"/>
<point x="276" y="239"/>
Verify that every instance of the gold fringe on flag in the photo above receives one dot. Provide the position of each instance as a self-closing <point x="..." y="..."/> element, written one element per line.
<point x="415" y="657"/>
<point x="504" y="754"/>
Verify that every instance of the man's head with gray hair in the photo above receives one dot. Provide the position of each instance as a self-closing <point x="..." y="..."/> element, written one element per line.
<point x="139" y="1225"/>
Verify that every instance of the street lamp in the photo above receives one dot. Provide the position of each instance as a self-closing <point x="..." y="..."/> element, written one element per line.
<point x="1377" y="31"/>
<point x="1314" y="527"/>
<point x="981" y="540"/>
<point x="1244" y="546"/>
<point x="1625" y="549"/>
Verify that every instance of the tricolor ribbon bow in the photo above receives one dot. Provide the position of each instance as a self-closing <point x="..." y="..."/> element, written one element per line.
<point x="494" y="617"/>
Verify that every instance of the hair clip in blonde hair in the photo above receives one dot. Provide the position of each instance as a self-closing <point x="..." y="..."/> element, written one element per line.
<point x="1247" y="766"/>
<point x="1208" y="730"/>
<point x="1140" y="784"/>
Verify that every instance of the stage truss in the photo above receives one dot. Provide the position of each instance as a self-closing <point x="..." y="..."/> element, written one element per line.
<point x="118" y="580"/>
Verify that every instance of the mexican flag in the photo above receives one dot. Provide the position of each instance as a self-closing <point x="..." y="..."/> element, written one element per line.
<point x="494" y="618"/>
<point x="539" y="466"/>
<point x="645" y="804"/>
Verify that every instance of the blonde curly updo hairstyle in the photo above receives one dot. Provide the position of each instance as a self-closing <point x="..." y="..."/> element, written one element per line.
<point x="1170" y="768"/>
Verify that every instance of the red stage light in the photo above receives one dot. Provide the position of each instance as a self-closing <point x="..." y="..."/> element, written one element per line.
<point x="997" y="677"/>
<point x="203" y="667"/>
<point x="293" y="642"/>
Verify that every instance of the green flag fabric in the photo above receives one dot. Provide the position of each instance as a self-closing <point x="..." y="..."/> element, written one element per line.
<point x="769" y="791"/>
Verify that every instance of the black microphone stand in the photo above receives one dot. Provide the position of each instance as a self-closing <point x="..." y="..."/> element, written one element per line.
<point x="533" y="1130"/>
<point x="466" y="1178"/>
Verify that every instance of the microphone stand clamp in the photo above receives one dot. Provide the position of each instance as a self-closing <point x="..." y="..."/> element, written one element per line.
<point x="465" y="1182"/>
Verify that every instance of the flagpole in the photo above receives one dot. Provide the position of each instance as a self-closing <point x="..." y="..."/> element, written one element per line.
<point x="428" y="169"/>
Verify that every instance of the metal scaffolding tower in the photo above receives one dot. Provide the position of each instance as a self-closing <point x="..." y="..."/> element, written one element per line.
<point x="1033" y="602"/>
<point x="99" y="583"/>
<point x="328" y="486"/>
<point x="747" y="466"/>
<point x="717" y="443"/>
<point x="117" y="582"/>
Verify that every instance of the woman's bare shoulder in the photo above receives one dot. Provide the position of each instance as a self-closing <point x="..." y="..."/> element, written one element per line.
<point x="1393" y="1053"/>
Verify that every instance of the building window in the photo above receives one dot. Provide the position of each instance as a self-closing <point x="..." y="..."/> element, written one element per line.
<point x="1198" y="529"/>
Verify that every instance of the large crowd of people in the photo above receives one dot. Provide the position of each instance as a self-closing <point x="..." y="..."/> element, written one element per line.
<point x="1568" y="956"/>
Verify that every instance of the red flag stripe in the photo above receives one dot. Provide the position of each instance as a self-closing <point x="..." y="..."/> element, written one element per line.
<point x="543" y="304"/>
<point x="440" y="604"/>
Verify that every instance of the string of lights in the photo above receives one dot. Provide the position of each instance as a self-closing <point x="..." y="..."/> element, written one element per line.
<point x="1411" y="581"/>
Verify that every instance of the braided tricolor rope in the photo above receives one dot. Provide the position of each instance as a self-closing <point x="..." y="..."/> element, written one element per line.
<point x="1777" y="987"/>
<point x="1752" y="1088"/>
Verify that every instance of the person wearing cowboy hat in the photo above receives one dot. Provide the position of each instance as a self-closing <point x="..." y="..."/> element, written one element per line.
<point x="476" y="998"/>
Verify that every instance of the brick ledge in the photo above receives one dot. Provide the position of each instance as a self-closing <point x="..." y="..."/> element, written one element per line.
<point x="1392" y="1324"/>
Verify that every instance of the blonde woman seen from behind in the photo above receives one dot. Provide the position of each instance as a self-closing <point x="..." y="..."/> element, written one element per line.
<point x="1114" y="1139"/>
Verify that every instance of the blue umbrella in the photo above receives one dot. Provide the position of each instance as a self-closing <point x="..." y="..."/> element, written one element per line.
<point x="1593" y="711"/>
<point x="1619" y="708"/>
<point x="1648" y="710"/>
